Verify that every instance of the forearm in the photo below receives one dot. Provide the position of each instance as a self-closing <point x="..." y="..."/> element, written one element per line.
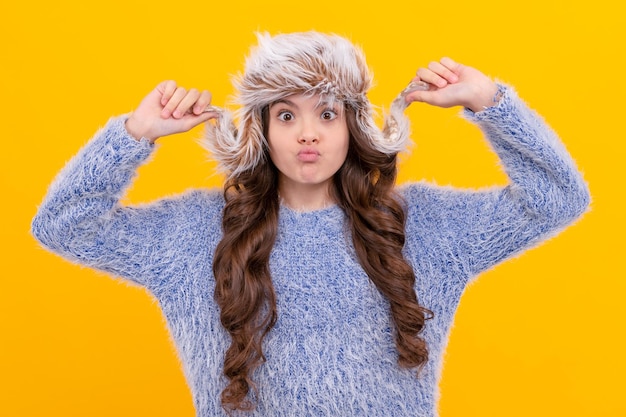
<point x="540" y="168"/>
<point x="89" y="186"/>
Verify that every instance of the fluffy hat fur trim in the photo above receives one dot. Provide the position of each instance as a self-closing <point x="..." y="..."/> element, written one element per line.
<point x="307" y="63"/>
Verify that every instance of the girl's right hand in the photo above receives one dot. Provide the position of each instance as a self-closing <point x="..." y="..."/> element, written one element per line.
<point x="169" y="109"/>
<point x="452" y="84"/>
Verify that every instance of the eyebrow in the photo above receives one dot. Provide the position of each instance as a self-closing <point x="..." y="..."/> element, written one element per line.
<point x="292" y="104"/>
<point x="284" y="101"/>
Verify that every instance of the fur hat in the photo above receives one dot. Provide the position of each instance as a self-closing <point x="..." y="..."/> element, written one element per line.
<point x="299" y="63"/>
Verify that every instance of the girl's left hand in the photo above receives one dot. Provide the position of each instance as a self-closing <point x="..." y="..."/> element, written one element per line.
<point x="453" y="84"/>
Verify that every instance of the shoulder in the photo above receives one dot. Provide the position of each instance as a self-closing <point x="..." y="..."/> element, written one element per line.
<point x="424" y="196"/>
<point x="427" y="206"/>
<point x="444" y="209"/>
<point x="211" y="199"/>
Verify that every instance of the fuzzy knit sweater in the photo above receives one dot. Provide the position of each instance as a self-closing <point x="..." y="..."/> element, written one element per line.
<point x="332" y="351"/>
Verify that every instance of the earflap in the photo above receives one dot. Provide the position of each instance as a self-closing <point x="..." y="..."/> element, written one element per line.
<point x="396" y="134"/>
<point x="235" y="150"/>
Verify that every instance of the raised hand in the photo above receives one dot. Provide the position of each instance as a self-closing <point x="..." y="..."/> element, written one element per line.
<point x="447" y="83"/>
<point x="170" y="109"/>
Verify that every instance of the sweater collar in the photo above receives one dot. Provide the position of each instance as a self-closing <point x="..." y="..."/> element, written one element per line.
<point x="311" y="223"/>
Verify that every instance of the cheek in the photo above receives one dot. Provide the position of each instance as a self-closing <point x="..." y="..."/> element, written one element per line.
<point x="343" y="151"/>
<point x="278" y="136"/>
<point x="340" y="154"/>
<point x="344" y="144"/>
<point x="276" y="151"/>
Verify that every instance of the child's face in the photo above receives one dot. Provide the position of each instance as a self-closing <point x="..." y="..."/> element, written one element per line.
<point x="308" y="140"/>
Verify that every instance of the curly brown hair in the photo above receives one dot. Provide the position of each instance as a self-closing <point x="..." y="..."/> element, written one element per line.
<point x="364" y="189"/>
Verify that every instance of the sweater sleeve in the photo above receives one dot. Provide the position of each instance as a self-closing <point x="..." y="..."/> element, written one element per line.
<point x="545" y="193"/>
<point x="81" y="217"/>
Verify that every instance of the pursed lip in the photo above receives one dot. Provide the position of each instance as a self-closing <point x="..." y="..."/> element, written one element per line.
<point x="308" y="155"/>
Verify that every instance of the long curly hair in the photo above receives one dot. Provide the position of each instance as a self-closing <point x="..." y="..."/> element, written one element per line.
<point x="364" y="189"/>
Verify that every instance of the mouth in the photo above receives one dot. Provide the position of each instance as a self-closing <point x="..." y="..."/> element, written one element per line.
<point x="308" y="155"/>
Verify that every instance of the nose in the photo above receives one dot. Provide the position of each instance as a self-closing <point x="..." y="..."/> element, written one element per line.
<point x="308" y="134"/>
<point x="307" y="139"/>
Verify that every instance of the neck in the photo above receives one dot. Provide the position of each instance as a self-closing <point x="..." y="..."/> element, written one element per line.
<point x="306" y="198"/>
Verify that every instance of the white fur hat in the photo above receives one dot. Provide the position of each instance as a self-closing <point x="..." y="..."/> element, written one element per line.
<point x="299" y="63"/>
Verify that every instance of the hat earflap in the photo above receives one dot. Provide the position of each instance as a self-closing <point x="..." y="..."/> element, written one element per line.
<point x="235" y="150"/>
<point x="396" y="134"/>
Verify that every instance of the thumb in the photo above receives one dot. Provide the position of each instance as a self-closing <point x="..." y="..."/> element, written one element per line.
<point x="421" y="96"/>
<point x="191" y="120"/>
<point x="445" y="97"/>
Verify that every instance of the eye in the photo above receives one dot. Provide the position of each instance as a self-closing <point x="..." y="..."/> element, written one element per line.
<point x="329" y="115"/>
<point x="285" y="116"/>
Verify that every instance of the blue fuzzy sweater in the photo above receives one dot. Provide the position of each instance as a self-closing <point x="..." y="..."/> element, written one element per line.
<point x="332" y="351"/>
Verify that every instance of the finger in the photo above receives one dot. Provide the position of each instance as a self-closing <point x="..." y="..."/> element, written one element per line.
<point x="173" y="102"/>
<point x="444" y="72"/>
<point x="415" y="85"/>
<point x="431" y="77"/>
<point x="186" y="103"/>
<point x="167" y="89"/>
<point x="452" y="65"/>
<point x="432" y="97"/>
<point x="192" y="120"/>
<point x="418" y="95"/>
<point x="202" y="103"/>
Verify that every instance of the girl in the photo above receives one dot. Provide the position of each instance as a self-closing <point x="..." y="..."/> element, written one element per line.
<point x="311" y="285"/>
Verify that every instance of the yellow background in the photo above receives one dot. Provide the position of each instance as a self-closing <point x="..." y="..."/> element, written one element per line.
<point x="540" y="335"/>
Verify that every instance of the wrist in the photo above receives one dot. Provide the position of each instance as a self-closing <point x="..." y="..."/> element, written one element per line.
<point x="138" y="130"/>
<point x="486" y="97"/>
